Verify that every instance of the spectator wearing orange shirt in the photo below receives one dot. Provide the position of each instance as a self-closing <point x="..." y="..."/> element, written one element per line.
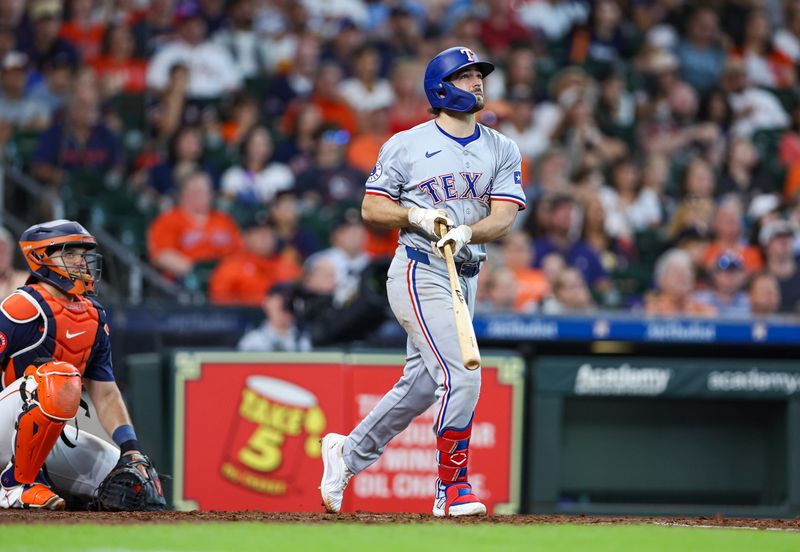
<point x="362" y="152"/>
<point x="245" y="277"/>
<point x="83" y="30"/>
<point x="116" y="68"/>
<point x="410" y="106"/>
<point x="193" y="231"/>
<point x="364" y="148"/>
<point x="727" y="228"/>
<point x="532" y="284"/>
<point x="327" y="97"/>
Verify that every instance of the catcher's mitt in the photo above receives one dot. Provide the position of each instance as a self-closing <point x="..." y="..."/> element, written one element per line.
<point x="125" y="489"/>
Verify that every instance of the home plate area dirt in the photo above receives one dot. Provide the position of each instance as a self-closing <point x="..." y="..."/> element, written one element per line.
<point x="34" y="516"/>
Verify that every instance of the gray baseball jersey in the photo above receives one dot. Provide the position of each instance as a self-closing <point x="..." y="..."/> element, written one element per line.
<point x="426" y="167"/>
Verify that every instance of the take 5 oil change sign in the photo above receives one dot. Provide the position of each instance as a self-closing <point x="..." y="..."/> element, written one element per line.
<point x="247" y="430"/>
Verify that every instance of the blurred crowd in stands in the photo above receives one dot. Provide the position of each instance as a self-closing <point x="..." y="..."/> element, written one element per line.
<point x="227" y="142"/>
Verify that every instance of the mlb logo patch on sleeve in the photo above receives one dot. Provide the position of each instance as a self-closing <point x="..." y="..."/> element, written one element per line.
<point x="517" y="177"/>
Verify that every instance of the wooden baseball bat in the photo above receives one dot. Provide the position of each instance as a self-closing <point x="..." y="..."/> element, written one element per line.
<point x="470" y="355"/>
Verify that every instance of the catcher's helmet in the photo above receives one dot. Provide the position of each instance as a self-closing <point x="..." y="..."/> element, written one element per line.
<point x="443" y="94"/>
<point x="40" y="241"/>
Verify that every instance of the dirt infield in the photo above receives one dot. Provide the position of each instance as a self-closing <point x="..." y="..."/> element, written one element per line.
<point x="32" y="516"/>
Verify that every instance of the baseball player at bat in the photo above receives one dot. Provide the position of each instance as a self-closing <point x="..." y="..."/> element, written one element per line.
<point x="454" y="170"/>
<point x="53" y="341"/>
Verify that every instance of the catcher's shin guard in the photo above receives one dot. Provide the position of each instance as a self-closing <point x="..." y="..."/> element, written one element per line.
<point x="52" y="394"/>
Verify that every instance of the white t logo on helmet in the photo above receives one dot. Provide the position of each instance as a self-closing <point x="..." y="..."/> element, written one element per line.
<point x="469" y="53"/>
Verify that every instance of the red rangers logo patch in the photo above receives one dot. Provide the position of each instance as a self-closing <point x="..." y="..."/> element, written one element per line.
<point x="3" y="342"/>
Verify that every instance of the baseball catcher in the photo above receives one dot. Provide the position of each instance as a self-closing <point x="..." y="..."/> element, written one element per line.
<point x="54" y="341"/>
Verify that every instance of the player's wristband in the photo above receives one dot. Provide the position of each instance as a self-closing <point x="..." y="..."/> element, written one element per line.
<point x="125" y="438"/>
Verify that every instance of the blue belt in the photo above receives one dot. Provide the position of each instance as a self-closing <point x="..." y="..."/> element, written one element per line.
<point x="463" y="269"/>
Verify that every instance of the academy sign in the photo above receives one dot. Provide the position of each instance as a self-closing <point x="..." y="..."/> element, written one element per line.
<point x="621" y="380"/>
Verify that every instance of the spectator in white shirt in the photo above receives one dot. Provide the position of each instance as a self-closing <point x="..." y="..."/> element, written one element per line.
<point x="753" y="108"/>
<point x="212" y="70"/>
<point x="787" y="39"/>
<point x="256" y="179"/>
<point x="554" y="18"/>
<point x="366" y="90"/>
<point x="239" y="38"/>
<point x="629" y="206"/>
<point x="279" y="332"/>
<point x="327" y="10"/>
<point x="16" y="110"/>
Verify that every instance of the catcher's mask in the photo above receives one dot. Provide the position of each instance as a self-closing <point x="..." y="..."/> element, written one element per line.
<point x="63" y="254"/>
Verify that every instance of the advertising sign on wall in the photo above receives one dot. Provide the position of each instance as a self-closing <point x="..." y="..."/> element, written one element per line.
<point x="761" y="379"/>
<point x="247" y="430"/>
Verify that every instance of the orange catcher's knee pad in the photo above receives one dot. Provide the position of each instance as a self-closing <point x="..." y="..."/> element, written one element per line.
<point x="56" y="388"/>
<point x="55" y="395"/>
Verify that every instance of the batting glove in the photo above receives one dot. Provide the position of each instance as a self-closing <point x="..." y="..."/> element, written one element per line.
<point x="425" y="219"/>
<point x="460" y="236"/>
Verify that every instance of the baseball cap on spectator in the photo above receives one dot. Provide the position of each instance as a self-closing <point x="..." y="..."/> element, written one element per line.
<point x="186" y="10"/>
<point x="775" y="229"/>
<point x="728" y="261"/>
<point x="337" y="136"/>
<point x="762" y="204"/>
<point x="15" y="60"/>
<point x="254" y="219"/>
<point x="44" y="9"/>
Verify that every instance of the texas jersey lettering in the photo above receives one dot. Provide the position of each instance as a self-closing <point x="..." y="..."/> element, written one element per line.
<point x="425" y="167"/>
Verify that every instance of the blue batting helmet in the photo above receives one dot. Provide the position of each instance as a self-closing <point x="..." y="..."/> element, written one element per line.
<point x="443" y="94"/>
<point x="40" y="242"/>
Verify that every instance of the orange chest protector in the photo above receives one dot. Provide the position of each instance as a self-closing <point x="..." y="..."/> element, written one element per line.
<point x="68" y="329"/>
<point x="74" y="330"/>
